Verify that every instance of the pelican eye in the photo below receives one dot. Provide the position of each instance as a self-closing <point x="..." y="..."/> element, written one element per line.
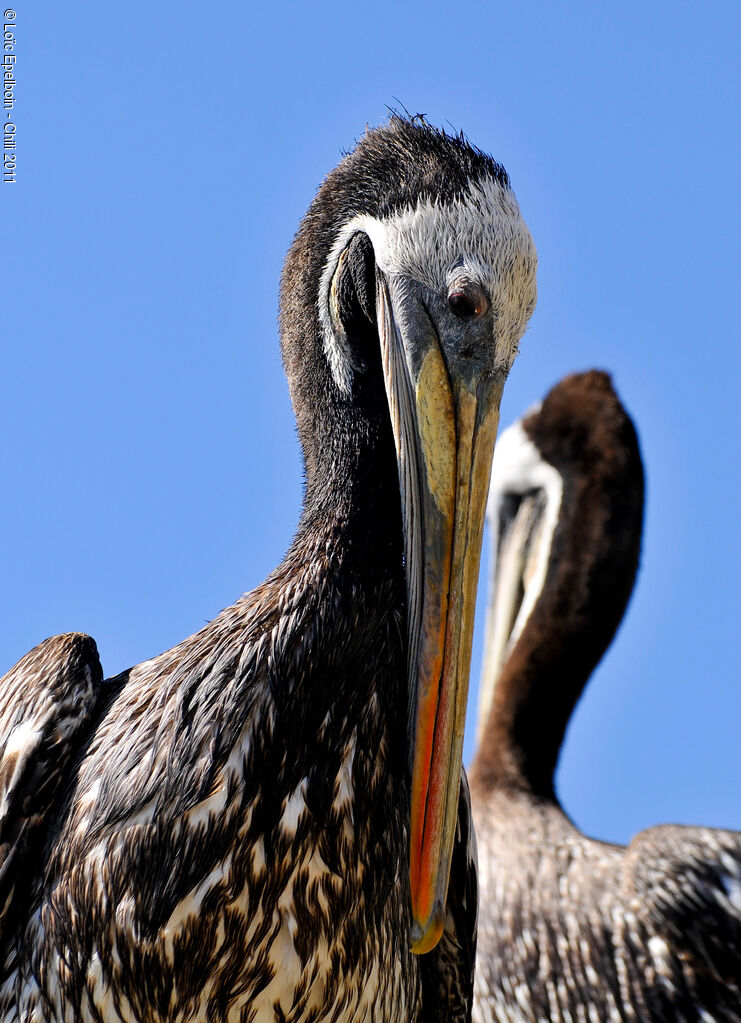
<point x="468" y="301"/>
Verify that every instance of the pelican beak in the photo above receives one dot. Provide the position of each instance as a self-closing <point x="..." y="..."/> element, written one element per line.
<point x="519" y="558"/>
<point x="444" y="403"/>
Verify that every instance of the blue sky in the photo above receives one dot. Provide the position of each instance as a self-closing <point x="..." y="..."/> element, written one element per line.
<point x="165" y="156"/>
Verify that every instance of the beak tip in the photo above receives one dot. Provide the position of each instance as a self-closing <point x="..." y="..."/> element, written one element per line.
<point x="424" y="938"/>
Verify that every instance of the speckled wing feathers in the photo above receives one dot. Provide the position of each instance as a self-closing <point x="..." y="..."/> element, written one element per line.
<point x="686" y="886"/>
<point x="47" y="702"/>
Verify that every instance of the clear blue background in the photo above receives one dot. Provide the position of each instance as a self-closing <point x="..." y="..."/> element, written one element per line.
<point x="149" y="466"/>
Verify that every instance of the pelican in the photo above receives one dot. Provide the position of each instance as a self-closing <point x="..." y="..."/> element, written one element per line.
<point x="571" y="928"/>
<point x="259" y="824"/>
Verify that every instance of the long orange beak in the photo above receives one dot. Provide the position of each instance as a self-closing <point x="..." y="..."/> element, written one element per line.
<point x="445" y="417"/>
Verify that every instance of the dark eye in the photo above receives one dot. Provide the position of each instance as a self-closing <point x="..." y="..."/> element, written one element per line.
<point x="468" y="301"/>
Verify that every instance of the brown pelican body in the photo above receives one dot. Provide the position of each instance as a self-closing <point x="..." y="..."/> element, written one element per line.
<point x="261" y="823"/>
<point x="571" y="928"/>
